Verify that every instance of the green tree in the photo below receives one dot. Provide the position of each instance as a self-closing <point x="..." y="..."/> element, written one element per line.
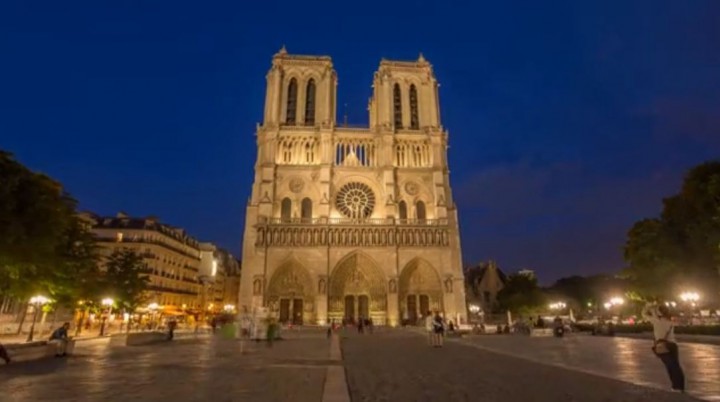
<point x="126" y="278"/>
<point x="521" y="294"/>
<point x="681" y="248"/>
<point x="36" y="218"/>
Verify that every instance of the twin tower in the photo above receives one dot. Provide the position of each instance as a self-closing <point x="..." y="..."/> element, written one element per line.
<point x="351" y="223"/>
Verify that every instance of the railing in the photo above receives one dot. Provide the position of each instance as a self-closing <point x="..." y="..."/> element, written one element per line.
<point x="353" y="222"/>
<point x="351" y="236"/>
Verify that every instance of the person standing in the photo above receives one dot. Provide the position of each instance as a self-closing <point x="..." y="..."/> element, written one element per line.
<point x="438" y="330"/>
<point x="665" y="347"/>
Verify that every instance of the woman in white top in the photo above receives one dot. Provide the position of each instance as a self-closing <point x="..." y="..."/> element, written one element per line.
<point x="665" y="346"/>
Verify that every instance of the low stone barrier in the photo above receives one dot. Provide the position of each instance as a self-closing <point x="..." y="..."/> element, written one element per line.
<point x="20" y="352"/>
<point x="138" y="338"/>
<point x="541" y="332"/>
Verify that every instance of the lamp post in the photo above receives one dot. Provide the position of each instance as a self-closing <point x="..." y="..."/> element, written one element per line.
<point x="37" y="302"/>
<point x="107" y="303"/>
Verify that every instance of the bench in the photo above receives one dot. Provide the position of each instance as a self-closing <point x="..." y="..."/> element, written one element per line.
<point x="20" y="352"/>
<point x="541" y="332"/>
<point x="138" y="338"/>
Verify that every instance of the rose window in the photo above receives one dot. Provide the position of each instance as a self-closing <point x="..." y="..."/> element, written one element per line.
<point x="355" y="200"/>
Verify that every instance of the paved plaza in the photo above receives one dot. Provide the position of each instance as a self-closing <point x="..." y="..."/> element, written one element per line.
<point x="389" y="365"/>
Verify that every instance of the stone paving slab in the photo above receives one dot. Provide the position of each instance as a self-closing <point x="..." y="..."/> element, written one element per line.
<point x="622" y="358"/>
<point x="194" y="369"/>
<point x="399" y="366"/>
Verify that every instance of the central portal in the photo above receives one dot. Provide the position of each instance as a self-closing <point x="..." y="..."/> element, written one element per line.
<point x="356" y="308"/>
<point x="357" y="290"/>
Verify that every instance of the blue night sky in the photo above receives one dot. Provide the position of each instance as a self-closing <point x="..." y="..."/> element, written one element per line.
<point x="568" y="121"/>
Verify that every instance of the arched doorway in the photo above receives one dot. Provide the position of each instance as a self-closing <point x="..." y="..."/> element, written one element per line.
<point x="357" y="290"/>
<point x="290" y="295"/>
<point x="420" y="291"/>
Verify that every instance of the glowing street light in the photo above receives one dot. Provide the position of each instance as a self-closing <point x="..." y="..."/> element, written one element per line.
<point x="617" y="301"/>
<point x="690" y="297"/>
<point x="107" y="303"/>
<point x="558" y="305"/>
<point x="37" y="302"/>
<point x="474" y="308"/>
<point x="229" y="308"/>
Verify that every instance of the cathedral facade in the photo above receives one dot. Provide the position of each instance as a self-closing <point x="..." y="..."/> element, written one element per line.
<point x="349" y="223"/>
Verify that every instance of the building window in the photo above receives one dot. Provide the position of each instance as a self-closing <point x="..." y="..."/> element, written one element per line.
<point x="403" y="210"/>
<point x="306" y="210"/>
<point x="285" y="210"/>
<point x="310" y="103"/>
<point x="420" y="211"/>
<point x="397" y="106"/>
<point x="291" y="102"/>
<point x="414" y="121"/>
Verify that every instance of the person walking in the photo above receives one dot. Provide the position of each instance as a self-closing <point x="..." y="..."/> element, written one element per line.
<point x="665" y="347"/>
<point x="429" y="329"/>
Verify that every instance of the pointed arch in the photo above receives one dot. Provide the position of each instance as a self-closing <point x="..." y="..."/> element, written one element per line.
<point x="420" y="289"/>
<point x="285" y="209"/>
<point x="420" y="212"/>
<point x="290" y="278"/>
<point x="357" y="276"/>
<point x="310" y="103"/>
<point x="306" y="210"/>
<point x="414" y="119"/>
<point x="397" y="106"/>
<point x="291" y="110"/>
<point x="402" y="211"/>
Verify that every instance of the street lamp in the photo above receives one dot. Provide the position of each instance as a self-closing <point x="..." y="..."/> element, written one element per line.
<point x="690" y="297"/>
<point x="37" y="302"/>
<point x="107" y="303"/>
<point x="229" y="308"/>
<point x="558" y="306"/>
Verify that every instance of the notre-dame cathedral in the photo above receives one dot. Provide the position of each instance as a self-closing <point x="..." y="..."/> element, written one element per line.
<point x="348" y="223"/>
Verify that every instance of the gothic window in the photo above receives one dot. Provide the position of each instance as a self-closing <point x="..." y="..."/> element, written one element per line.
<point x="355" y="200"/>
<point x="414" y="122"/>
<point x="306" y="208"/>
<point x="403" y="210"/>
<point x="397" y="106"/>
<point x="420" y="211"/>
<point x="291" y="102"/>
<point x="285" y="210"/>
<point x="310" y="103"/>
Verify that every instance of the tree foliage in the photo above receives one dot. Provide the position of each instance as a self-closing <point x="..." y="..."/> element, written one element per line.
<point x="681" y="247"/>
<point x="521" y="294"/>
<point x="578" y="291"/>
<point x="44" y="247"/>
<point x="126" y="278"/>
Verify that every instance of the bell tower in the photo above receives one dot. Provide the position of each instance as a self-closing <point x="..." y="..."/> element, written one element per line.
<point x="300" y="91"/>
<point x="405" y="96"/>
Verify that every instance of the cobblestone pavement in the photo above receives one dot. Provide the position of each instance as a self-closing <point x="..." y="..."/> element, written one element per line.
<point x="397" y="365"/>
<point x="626" y="359"/>
<point x="191" y="369"/>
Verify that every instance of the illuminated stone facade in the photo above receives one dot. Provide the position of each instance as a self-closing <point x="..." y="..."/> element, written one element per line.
<point x="347" y="222"/>
<point x="173" y="260"/>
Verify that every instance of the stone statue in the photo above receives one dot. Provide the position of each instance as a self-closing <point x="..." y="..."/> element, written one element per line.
<point x="393" y="286"/>
<point x="321" y="286"/>
<point x="449" y="285"/>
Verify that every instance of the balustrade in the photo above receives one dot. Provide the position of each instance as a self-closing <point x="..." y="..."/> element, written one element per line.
<point x="351" y="236"/>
